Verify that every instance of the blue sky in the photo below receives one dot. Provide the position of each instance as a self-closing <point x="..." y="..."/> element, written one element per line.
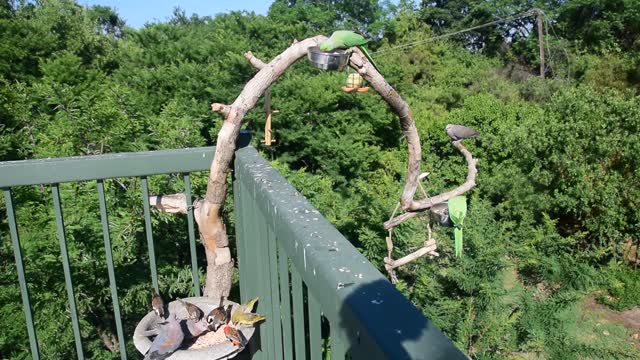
<point x="138" y="12"/>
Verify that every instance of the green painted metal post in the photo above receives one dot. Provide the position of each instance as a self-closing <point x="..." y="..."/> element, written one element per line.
<point x="75" y="324"/>
<point x="149" y="231"/>
<point x="298" y="315"/>
<point x="285" y="303"/>
<point x="249" y="258"/>
<point x="24" y="290"/>
<point x="241" y="233"/>
<point x="192" y="239"/>
<point x="315" y="333"/>
<point x="275" y="291"/>
<point x="259" y="245"/>
<point x="338" y="351"/>
<point x="112" y="276"/>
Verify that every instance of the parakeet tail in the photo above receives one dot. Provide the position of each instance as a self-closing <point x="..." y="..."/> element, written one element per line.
<point x="457" y="233"/>
<point x="366" y="53"/>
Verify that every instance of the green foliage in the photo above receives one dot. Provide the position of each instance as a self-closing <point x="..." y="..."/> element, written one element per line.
<point x="623" y="285"/>
<point x="557" y="195"/>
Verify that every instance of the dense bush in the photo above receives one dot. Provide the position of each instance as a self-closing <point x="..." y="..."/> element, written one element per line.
<point x="558" y="190"/>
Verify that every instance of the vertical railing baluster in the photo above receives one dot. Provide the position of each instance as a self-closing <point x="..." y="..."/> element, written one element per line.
<point x="249" y="257"/>
<point x="241" y="234"/>
<point x="192" y="238"/>
<point x="57" y="208"/>
<point x="262" y="252"/>
<point x="24" y="291"/>
<point x="315" y="331"/>
<point x="298" y="315"/>
<point x="338" y="350"/>
<point x="149" y="231"/>
<point x="275" y="291"/>
<point x="110" y="270"/>
<point x="285" y="303"/>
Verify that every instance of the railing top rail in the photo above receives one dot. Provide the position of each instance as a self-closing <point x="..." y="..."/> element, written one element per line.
<point x="92" y="167"/>
<point x="356" y="298"/>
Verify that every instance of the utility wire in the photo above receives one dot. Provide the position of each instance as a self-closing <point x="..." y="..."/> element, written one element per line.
<point x="495" y="22"/>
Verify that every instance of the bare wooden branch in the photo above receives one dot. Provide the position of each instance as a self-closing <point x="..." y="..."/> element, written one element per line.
<point x="411" y="206"/>
<point x="391" y="223"/>
<point x="361" y="64"/>
<point x="257" y="63"/>
<point x="468" y="184"/>
<point x="174" y="203"/>
<point x="220" y="108"/>
<point x="209" y="214"/>
<point x="428" y="202"/>
<point x="391" y="264"/>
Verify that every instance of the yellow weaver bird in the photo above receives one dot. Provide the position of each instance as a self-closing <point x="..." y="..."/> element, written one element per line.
<point x="243" y="314"/>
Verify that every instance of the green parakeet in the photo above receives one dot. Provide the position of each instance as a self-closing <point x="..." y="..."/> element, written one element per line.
<point x="344" y="39"/>
<point x="457" y="213"/>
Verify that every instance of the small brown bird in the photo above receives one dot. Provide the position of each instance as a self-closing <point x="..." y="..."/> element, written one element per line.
<point x="217" y="316"/>
<point x="195" y="313"/>
<point x="235" y="336"/>
<point x="459" y="132"/>
<point x="157" y="304"/>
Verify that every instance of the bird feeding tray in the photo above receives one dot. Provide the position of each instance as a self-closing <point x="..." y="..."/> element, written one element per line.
<point x="211" y="345"/>
<point x="328" y="60"/>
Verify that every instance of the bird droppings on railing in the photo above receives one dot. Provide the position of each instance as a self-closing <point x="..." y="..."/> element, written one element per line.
<point x="343" y="285"/>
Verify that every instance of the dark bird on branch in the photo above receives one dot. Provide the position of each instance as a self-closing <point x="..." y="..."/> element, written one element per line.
<point x="459" y="132"/>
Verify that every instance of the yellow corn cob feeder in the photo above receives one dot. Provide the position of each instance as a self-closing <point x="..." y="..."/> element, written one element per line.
<point x="354" y="82"/>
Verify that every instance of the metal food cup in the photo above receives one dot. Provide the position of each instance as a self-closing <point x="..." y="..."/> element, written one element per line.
<point x="328" y="60"/>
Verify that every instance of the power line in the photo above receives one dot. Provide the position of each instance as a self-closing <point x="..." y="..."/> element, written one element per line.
<point x="495" y="22"/>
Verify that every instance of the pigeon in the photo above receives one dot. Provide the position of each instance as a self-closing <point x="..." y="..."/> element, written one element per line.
<point x="193" y="329"/>
<point x="459" y="132"/>
<point x="168" y="340"/>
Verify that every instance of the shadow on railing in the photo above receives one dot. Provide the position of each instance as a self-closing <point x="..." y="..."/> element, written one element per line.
<point x="321" y="296"/>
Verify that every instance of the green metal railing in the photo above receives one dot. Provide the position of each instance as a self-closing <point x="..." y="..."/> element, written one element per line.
<point x="314" y="286"/>
<point x="98" y="168"/>
<point x="320" y="295"/>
